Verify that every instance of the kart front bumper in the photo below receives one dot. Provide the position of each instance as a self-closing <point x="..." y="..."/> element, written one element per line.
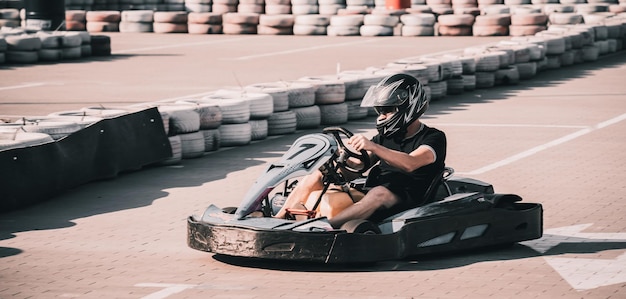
<point x="308" y="241"/>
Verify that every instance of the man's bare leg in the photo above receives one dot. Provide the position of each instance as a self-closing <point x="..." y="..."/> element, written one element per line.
<point x="301" y="192"/>
<point x="372" y="201"/>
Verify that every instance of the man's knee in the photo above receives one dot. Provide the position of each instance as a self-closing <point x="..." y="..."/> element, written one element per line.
<point x="381" y="197"/>
<point x="314" y="178"/>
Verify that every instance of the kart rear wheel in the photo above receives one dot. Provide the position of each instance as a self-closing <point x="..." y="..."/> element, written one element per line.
<point x="361" y="226"/>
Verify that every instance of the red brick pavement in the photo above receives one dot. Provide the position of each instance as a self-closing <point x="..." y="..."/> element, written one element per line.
<point x="125" y="238"/>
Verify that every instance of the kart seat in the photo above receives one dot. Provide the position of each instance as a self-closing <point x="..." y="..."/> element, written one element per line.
<point x="439" y="180"/>
<point x="431" y="195"/>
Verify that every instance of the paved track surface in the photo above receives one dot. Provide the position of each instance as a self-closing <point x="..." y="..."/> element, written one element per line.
<point x="149" y="67"/>
<point x="557" y="139"/>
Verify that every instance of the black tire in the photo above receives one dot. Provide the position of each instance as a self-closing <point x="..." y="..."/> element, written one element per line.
<point x="360" y="226"/>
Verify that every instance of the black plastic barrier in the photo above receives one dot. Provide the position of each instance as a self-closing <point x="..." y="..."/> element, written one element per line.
<point x="99" y="151"/>
<point x="45" y="14"/>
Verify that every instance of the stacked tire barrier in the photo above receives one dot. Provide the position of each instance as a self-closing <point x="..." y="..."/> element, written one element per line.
<point x="166" y="133"/>
<point x="136" y="21"/>
<point x="19" y="46"/>
<point x="329" y="17"/>
<point x="204" y="23"/>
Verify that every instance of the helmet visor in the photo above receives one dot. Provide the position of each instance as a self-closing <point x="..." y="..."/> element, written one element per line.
<point x="385" y="109"/>
<point x="382" y="95"/>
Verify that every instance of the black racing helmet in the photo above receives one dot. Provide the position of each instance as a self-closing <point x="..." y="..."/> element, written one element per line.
<point x="399" y="93"/>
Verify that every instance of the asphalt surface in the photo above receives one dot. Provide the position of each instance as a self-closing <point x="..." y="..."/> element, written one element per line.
<point x="556" y="139"/>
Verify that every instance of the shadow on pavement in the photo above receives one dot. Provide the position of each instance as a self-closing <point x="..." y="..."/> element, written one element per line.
<point x="432" y="261"/>
<point x="82" y="60"/>
<point x="8" y="251"/>
<point x="139" y="189"/>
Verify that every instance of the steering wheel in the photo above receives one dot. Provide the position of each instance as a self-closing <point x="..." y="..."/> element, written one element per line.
<point x="362" y="155"/>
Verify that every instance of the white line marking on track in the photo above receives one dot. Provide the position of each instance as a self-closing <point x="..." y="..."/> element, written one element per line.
<point x="191" y="96"/>
<point x="529" y="152"/>
<point x="168" y="289"/>
<point x="545" y="146"/>
<point x="181" y="45"/>
<point x="300" y="50"/>
<point x="582" y="273"/>
<point x="611" y="121"/>
<point x="23" y="86"/>
<point x="510" y="125"/>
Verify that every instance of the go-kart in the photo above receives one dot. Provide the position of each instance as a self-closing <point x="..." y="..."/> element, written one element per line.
<point x="458" y="214"/>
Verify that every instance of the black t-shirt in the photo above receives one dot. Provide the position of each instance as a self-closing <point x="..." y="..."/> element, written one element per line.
<point x="410" y="187"/>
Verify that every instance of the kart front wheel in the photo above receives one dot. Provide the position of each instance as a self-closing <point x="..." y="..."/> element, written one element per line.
<point x="361" y="226"/>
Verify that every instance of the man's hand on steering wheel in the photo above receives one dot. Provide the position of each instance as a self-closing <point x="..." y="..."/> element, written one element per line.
<point x="360" y="142"/>
<point x="346" y="153"/>
<point x="345" y="158"/>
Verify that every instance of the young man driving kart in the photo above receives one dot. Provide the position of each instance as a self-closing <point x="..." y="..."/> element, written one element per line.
<point x="410" y="153"/>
